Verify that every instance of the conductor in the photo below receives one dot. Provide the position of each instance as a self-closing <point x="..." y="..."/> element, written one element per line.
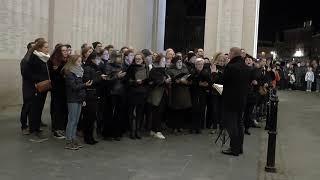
<point x="236" y="77"/>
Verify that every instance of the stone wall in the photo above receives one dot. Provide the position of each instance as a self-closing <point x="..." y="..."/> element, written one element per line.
<point x="117" y="22"/>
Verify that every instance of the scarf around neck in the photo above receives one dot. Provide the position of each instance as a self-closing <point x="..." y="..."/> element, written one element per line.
<point x="77" y="70"/>
<point x="44" y="57"/>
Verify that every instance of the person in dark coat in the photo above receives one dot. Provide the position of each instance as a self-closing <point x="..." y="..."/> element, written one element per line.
<point x="136" y="80"/>
<point x="37" y="72"/>
<point x="236" y="79"/>
<point x="92" y="71"/>
<point x="252" y="96"/>
<point x="75" y="94"/>
<point x="27" y="91"/>
<point x="158" y="80"/>
<point x="201" y="85"/>
<point x="58" y="105"/>
<point x="179" y="94"/>
<point x="217" y="69"/>
<point x="113" y="124"/>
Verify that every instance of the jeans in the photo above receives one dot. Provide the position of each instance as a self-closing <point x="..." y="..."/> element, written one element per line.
<point x="74" y="110"/>
<point x="309" y="85"/>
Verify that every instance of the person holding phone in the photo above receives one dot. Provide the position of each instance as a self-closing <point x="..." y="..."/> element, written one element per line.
<point x="75" y="93"/>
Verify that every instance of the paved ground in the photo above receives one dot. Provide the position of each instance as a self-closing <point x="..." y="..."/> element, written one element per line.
<point x="186" y="157"/>
<point x="298" y="138"/>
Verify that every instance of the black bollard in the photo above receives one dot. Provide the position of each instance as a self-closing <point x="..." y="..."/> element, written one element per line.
<point x="270" y="167"/>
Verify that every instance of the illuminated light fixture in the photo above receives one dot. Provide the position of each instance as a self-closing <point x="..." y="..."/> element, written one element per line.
<point x="274" y="54"/>
<point x="298" y="53"/>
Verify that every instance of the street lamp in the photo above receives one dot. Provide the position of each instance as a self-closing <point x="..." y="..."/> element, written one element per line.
<point x="298" y="53"/>
<point x="274" y="54"/>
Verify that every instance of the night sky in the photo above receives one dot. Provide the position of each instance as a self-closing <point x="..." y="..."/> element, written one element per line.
<point x="277" y="15"/>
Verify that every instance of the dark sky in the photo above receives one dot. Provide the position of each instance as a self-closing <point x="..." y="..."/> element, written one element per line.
<point x="277" y="15"/>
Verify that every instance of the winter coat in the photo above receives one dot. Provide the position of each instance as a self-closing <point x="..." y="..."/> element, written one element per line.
<point x="116" y="85"/>
<point x="157" y="85"/>
<point x="92" y="72"/>
<point x="57" y="81"/>
<point x="137" y="93"/>
<point x="75" y="88"/>
<point x="309" y="76"/>
<point x="27" y="85"/>
<point x="236" y="78"/>
<point x="36" y="72"/>
<point x="179" y="94"/>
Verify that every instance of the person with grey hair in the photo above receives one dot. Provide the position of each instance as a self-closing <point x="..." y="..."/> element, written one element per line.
<point x="236" y="80"/>
<point x="201" y="84"/>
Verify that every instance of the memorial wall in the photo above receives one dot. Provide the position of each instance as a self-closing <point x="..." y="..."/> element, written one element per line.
<point x="137" y="23"/>
<point x="117" y="22"/>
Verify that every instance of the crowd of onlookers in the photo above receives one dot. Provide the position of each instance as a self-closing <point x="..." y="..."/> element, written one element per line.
<point x="118" y="92"/>
<point x="299" y="75"/>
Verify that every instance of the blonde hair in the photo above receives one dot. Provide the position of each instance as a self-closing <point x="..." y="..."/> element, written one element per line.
<point x="70" y="63"/>
<point x="216" y="58"/>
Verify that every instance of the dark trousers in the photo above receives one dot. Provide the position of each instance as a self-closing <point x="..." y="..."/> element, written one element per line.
<point x="89" y="115"/>
<point x="136" y="116"/>
<point x="157" y="116"/>
<point x="113" y="126"/>
<point x="248" y="113"/>
<point x="177" y="118"/>
<point x="38" y="102"/>
<point x="209" y="111"/>
<point x="214" y="117"/>
<point x="59" y="112"/>
<point x="198" y="111"/>
<point x="100" y="114"/>
<point x="234" y="126"/>
<point x="25" y="113"/>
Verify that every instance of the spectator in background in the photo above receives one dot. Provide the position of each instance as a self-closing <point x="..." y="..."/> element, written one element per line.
<point x="292" y="80"/>
<point x="317" y="77"/>
<point x="309" y="78"/>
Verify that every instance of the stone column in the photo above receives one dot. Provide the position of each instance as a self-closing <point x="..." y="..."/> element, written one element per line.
<point x="212" y="25"/>
<point x="250" y="26"/>
<point x="231" y="23"/>
<point x="158" y="28"/>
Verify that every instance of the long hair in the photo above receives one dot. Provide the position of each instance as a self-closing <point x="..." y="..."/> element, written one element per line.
<point x="70" y="63"/>
<point x="142" y="56"/>
<point x="57" y="56"/>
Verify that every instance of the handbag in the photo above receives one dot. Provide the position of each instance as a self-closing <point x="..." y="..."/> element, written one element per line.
<point x="45" y="85"/>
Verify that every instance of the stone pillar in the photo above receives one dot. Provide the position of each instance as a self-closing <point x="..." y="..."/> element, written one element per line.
<point x="250" y="26"/>
<point x="159" y="21"/>
<point x="231" y="23"/>
<point x="212" y="24"/>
